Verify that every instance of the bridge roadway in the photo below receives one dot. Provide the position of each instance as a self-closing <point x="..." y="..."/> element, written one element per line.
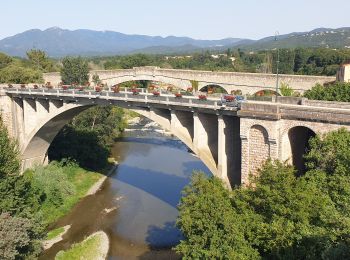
<point x="232" y="141"/>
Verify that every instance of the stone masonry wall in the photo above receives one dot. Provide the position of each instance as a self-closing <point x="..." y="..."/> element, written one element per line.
<point x="259" y="149"/>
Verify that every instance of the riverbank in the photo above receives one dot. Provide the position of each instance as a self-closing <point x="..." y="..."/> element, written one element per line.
<point x="53" y="238"/>
<point x="94" y="247"/>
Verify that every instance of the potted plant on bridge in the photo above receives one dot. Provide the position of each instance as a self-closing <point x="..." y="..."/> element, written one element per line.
<point x="178" y="95"/>
<point x="23" y="86"/>
<point x="190" y="89"/>
<point x="35" y="86"/>
<point x="156" y="93"/>
<point x="202" y="97"/>
<point x="64" y="87"/>
<point x="135" y="91"/>
<point x="116" y="89"/>
<point x="98" y="88"/>
<point x="229" y="98"/>
<point x="48" y="85"/>
<point x="9" y="85"/>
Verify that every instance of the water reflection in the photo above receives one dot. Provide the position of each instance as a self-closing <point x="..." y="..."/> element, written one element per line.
<point x="145" y="190"/>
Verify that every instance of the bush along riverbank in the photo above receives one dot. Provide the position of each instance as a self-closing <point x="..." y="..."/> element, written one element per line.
<point x="59" y="186"/>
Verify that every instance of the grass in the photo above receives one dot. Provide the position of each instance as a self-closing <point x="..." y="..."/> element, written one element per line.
<point x="82" y="181"/>
<point x="54" y="233"/>
<point x="89" y="249"/>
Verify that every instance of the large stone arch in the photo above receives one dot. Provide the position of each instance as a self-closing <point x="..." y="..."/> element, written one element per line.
<point x="259" y="147"/>
<point x="295" y="144"/>
<point x="112" y="80"/>
<point x="34" y="151"/>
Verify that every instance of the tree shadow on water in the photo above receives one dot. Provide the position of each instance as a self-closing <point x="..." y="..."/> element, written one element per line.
<point x="161" y="240"/>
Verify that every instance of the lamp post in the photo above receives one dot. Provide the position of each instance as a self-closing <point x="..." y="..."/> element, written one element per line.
<point x="277" y="63"/>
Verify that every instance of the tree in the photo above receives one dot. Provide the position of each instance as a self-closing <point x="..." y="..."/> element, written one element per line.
<point x="74" y="70"/>
<point x="39" y="60"/>
<point x="9" y="163"/>
<point x="20" y="75"/>
<point x="89" y="136"/>
<point x="18" y="241"/>
<point x="280" y="215"/>
<point x="4" y="60"/>
<point x="338" y="91"/>
<point x="286" y="90"/>
<point x="212" y="230"/>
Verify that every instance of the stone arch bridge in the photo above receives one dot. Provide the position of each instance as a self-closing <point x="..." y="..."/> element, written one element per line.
<point x="248" y="83"/>
<point x="231" y="141"/>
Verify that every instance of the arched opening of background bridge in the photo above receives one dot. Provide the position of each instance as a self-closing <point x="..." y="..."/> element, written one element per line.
<point x="296" y="145"/>
<point x="213" y="89"/>
<point x="150" y="86"/>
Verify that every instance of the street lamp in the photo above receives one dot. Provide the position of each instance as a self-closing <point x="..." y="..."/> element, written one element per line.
<point x="278" y="61"/>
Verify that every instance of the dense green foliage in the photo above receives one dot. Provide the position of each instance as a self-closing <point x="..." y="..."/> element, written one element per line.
<point x="18" y="239"/>
<point x="18" y="75"/>
<point x="306" y="61"/>
<point x="22" y="71"/>
<point x="336" y="92"/>
<point x="19" y="228"/>
<point x="39" y="60"/>
<point x="29" y="202"/>
<point x="75" y="70"/>
<point x="280" y="216"/>
<point x="89" y="137"/>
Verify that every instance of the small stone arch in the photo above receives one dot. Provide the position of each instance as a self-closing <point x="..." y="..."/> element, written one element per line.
<point x="266" y="93"/>
<point x="259" y="147"/>
<point x="213" y="88"/>
<point x="295" y="143"/>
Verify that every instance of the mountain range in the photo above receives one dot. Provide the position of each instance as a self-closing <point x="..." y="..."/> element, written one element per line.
<point x="59" y="42"/>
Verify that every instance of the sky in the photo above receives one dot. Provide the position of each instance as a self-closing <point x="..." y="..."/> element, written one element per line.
<point x="199" y="19"/>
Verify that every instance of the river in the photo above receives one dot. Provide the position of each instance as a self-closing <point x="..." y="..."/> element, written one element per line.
<point x="136" y="205"/>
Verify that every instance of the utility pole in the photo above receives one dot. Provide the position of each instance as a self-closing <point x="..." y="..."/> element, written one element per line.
<point x="278" y="61"/>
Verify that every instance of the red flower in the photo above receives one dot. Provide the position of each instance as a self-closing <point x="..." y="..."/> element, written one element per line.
<point x="229" y="98"/>
<point x="134" y="91"/>
<point x="202" y="97"/>
<point x="156" y="93"/>
<point x="178" y="95"/>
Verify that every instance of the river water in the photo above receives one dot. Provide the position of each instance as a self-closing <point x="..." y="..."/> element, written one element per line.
<point x="136" y="206"/>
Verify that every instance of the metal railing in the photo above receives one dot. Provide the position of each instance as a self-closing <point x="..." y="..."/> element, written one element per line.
<point x="126" y="95"/>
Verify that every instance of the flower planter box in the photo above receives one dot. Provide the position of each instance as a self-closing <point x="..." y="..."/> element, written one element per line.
<point x="64" y="87"/>
<point x="10" y="86"/>
<point x="35" y="86"/>
<point x="23" y="86"/>
<point x="135" y="91"/>
<point x="229" y="98"/>
<point x="98" y="89"/>
<point x="202" y="97"/>
<point x="178" y="95"/>
<point x="156" y="93"/>
<point x="116" y="90"/>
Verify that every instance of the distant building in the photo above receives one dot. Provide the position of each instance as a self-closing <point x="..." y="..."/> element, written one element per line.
<point x="343" y="74"/>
